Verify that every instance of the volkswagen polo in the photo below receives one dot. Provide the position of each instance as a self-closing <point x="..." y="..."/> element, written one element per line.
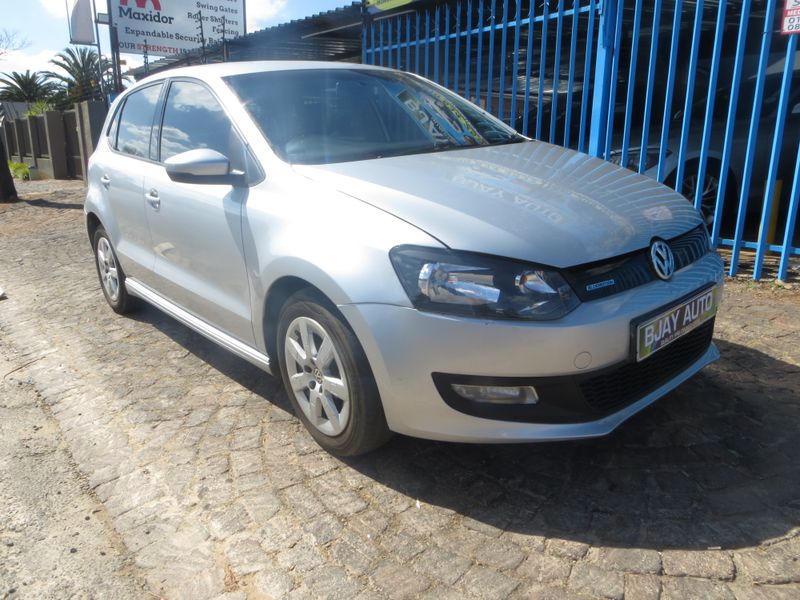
<point x="402" y="259"/>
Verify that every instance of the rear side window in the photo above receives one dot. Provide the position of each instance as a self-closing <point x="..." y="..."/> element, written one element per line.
<point x="194" y="119"/>
<point x="136" y="121"/>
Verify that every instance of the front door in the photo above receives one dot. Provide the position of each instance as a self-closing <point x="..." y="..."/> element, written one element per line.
<point x="196" y="229"/>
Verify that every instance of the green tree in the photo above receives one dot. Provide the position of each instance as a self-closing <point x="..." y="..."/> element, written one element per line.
<point x="25" y="87"/>
<point x="84" y="74"/>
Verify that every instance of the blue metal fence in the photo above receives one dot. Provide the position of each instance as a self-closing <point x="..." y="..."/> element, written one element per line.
<point x="703" y="95"/>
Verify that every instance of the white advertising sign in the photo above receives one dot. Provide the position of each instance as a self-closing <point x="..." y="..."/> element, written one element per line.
<point x="170" y="27"/>
<point x="791" y="17"/>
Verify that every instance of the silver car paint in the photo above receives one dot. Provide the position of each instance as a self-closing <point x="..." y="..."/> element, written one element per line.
<point x="333" y="227"/>
<point x="532" y="201"/>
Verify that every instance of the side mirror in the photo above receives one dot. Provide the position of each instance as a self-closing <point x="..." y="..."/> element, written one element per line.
<point x="202" y="166"/>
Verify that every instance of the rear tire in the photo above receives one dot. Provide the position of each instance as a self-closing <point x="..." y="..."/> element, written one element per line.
<point x="110" y="273"/>
<point x="327" y="377"/>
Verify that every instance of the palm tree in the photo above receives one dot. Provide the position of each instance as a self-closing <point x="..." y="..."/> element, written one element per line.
<point x="25" y="87"/>
<point x="85" y="73"/>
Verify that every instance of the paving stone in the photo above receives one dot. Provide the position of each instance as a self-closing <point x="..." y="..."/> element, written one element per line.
<point x="398" y="581"/>
<point x="591" y="580"/>
<point x="273" y="583"/>
<point x="499" y="554"/>
<point x="642" y="587"/>
<point x="225" y="521"/>
<point x="686" y="587"/>
<point x="543" y="568"/>
<point x="768" y="567"/>
<point x="442" y="565"/>
<point x="303" y="556"/>
<point x="246" y="556"/>
<point x="331" y="582"/>
<point x="630" y="560"/>
<point x="483" y="582"/>
<point x="567" y="548"/>
<point x="706" y="564"/>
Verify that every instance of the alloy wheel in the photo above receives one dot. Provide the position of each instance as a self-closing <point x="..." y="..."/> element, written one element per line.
<point x="316" y="376"/>
<point x="107" y="265"/>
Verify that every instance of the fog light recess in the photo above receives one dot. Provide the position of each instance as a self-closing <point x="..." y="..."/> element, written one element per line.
<point x="497" y="394"/>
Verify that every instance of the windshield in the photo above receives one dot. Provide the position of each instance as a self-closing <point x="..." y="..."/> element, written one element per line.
<point x="320" y="116"/>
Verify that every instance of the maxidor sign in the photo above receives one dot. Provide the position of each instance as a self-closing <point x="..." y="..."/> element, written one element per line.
<point x="165" y="27"/>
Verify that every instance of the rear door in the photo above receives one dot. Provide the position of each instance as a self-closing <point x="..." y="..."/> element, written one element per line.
<point x="196" y="229"/>
<point x="121" y="174"/>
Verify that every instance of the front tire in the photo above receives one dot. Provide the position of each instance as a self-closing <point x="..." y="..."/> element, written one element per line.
<point x="327" y="377"/>
<point x="110" y="273"/>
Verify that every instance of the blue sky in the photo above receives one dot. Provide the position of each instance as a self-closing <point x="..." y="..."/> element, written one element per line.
<point x="43" y="23"/>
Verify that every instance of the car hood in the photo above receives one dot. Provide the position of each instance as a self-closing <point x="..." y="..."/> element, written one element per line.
<point x="531" y="201"/>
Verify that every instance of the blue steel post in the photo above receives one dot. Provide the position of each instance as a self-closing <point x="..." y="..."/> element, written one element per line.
<point x="708" y="120"/>
<point x="727" y="147"/>
<point x="436" y="45"/>
<point x="416" y="45"/>
<point x="612" y="91"/>
<point x="447" y="45"/>
<point x="372" y="44"/>
<point x="602" y="75"/>
<point x="542" y="70"/>
<point x="528" y="63"/>
<point x="479" y="60"/>
<point x="687" y="105"/>
<point x="427" y="41"/>
<point x="573" y="40"/>
<point x="775" y="155"/>
<point x="490" y="66"/>
<point x="468" y="53"/>
<point x="380" y="43"/>
<point x="791" y="219"/>
<point x="515" y="70"/>
<point x="364" y="38"/>
<point x="766" y="38"/>
<point x="651" y="77"/>
<point x="457" y="57"/>
<point x="408" y="42"/>
<point x="399" y="23"/>
<point x="673" y="59"/>
<point x="503" y="45"/>
<point x="626" y="131"/>
<point x="389" y="43"/>
<point x="587" y="76"/>
<point x="556" y="71"/>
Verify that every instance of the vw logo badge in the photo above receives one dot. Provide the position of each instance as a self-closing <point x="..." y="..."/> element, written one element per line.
<point x="662" y="259"/>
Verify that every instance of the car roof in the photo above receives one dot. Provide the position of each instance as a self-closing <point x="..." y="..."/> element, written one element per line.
<point x="219" y="70"/>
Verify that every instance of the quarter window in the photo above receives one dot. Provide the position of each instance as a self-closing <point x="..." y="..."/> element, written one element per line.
<point x="194" y="119"/>
<point x="136" y="122"/>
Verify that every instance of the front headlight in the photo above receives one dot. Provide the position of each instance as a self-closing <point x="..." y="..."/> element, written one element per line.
<point x="475" y="285"/>
<point x="651" y="157"/>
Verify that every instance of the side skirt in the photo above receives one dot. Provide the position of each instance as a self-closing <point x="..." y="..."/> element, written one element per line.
<point x="240" y="349"/>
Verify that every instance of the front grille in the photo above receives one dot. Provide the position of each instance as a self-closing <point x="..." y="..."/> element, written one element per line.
<point x="592" y="282"/>
<point x="630" y="382"/>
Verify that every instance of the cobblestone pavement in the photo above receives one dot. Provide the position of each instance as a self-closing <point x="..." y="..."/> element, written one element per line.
<point x="217" y="491"/>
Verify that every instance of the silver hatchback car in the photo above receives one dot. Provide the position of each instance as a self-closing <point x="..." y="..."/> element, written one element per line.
<point x="407" y="262"/>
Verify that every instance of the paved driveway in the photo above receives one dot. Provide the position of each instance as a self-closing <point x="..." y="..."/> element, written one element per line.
<point x="216" y="490"/>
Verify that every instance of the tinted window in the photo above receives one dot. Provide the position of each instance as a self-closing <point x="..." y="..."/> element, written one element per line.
<point x="136" y="123"/>
<point x="333" y="115"/>
<point x="194" y="119"/>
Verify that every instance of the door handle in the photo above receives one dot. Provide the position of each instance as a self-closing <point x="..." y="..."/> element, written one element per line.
<point x="153" y="199"/>
<point x="105" y="180"/>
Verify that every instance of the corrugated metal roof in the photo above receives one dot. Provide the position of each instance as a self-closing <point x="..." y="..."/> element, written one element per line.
<point x="333" y="35"/>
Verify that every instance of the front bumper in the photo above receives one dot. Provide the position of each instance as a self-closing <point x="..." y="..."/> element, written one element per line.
<point x="406" y="346"/>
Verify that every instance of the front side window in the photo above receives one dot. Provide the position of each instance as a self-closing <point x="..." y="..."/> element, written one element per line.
<point x="136" y="122"/>
<point x="335" y="115"/>
<point x="194" y="119"/>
